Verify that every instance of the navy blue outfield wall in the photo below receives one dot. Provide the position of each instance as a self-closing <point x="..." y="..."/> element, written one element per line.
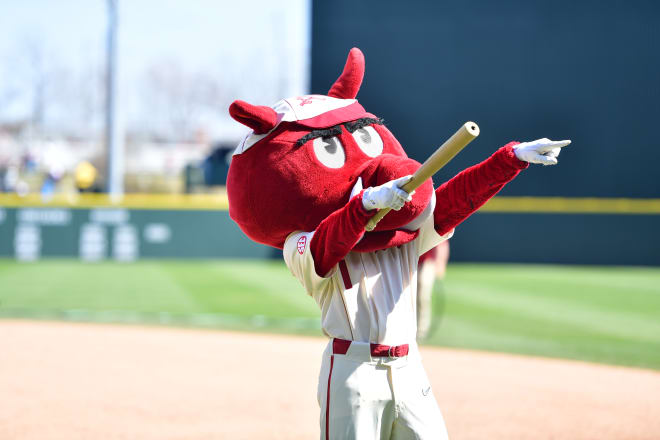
<point x="587" y="70"/>
<point x="558" y="239"/>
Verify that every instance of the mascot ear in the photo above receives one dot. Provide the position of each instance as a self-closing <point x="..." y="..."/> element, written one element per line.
<point x="259" y="118"/>
<point x="348" y="83"/>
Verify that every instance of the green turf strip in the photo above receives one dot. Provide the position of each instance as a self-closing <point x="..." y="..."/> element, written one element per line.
<point x="609" y="315"/>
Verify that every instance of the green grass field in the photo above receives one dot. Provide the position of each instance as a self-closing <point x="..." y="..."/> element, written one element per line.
<point x="609" y="315"/>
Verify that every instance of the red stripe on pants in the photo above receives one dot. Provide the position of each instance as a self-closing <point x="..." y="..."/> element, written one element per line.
<point x="327" y="400"/>
<point x="345" y="275"/>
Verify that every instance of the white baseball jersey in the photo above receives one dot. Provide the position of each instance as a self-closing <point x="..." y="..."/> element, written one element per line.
<point x="368" y="296"/>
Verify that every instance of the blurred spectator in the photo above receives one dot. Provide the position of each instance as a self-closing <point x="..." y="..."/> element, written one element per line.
<point x="432" y="267"/>
<point x="85" y="176"/>
<point x="3" y="173"/>
<point x="29" y="163"/>
<point x="216" y="164"/>
<point x="10" y="179"/>
<point x="50" y="182"/>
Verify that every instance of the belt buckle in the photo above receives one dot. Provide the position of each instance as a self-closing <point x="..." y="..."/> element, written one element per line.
<point x="389" y="352"/>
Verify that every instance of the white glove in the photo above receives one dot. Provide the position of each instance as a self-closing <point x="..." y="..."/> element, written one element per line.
<point x="543" y="151"/>
<point x="387" y="195"/>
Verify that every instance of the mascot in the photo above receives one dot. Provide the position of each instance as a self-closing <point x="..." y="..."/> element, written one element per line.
<point x="307" y="179"/>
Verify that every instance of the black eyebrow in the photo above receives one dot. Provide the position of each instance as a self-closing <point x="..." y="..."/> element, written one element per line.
<point x="326" y="132"/>
<point x="358" y="124"/>
<point x="336" y="130"/>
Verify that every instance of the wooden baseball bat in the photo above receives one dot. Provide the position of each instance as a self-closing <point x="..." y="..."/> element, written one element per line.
<point x="439" y="159"/>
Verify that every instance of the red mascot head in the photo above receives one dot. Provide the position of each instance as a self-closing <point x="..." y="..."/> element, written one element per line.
<point x="307" y="155"/>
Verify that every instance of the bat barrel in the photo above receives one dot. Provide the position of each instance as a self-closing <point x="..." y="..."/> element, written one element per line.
<point x="432" y="165"/>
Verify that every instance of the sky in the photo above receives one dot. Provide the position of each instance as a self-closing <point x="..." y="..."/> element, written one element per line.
<point x="259" y="50"/>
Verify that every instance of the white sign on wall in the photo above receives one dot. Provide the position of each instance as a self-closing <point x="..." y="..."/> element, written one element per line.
<point x="49" y="216"/>
<point x="92" y="243"/>
<point x="125" y="243"/>
<point x="157" y="233"/>
<point x="109" y="216"/>
<point x="27" y="242"/>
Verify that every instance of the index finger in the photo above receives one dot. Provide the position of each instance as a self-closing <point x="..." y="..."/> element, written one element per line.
<point x="403" y="180"/>
<point x="551" y="145"/>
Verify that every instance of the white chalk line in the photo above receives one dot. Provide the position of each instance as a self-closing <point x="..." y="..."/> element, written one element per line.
<point x="211" y="320"/>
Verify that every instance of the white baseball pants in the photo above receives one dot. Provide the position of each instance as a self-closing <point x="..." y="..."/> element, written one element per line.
<point x="376" y="398"/>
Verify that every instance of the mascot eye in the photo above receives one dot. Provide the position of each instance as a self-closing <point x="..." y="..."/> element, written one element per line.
<point x="329" y="152"/>
<point x="369" y="141"/>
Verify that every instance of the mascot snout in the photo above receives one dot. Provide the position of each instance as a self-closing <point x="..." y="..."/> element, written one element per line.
<point x="388" y="167"/>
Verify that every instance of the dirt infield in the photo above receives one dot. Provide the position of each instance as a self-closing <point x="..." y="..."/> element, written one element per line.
<point x="85" y="381"/>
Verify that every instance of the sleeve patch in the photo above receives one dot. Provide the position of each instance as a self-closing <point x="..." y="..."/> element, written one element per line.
<point x="302" y="243"/>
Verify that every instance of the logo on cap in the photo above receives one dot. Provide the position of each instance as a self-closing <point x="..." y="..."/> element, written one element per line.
<point x="302" y="242"/>
<point x="309" y="99"/>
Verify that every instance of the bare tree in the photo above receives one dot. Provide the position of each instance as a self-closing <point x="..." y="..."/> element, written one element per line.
<point x="87" y="96"/>
<point x="27" y="83"/>
<point x="51" y="97"/>
<point x="173" y="99"/>
<point x="37" y="78"/>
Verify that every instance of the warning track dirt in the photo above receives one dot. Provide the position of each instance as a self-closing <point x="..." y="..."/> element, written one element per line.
<point x="81" y="381"/>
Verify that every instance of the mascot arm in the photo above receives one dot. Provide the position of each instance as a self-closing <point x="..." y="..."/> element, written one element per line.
<point x="338" y="233"/>
<point x="459" y="197"/>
